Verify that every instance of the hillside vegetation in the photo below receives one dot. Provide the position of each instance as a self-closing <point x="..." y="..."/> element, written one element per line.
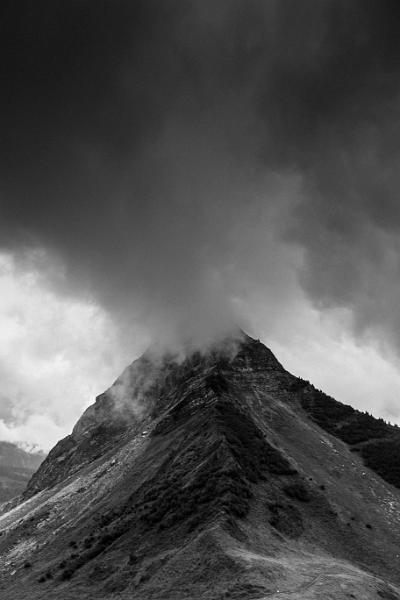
<point x="377" y="442"/>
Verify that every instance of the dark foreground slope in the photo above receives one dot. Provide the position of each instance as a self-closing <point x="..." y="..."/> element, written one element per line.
<point x="16" y="468"/>
<point x="215" y="478"/>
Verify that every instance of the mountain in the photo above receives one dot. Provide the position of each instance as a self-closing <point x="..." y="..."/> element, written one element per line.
<point x="16" y="468"/>
<point x="220" y="476"/>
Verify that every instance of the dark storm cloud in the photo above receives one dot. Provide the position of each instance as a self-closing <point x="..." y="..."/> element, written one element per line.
<point x="137" y="137"/>
<point x="346" y="134"/>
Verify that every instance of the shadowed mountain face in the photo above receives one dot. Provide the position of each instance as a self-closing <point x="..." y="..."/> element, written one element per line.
<point x="16" y="468"/>
<point x="220" y="476"/>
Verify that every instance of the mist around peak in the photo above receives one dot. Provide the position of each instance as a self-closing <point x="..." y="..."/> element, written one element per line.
<point x="204" y="340"/>
<point x="133" y="391"/>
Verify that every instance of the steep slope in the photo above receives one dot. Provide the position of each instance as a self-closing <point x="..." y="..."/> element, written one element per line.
<point x="209" y="478"/>
<point x="16" y="468"/>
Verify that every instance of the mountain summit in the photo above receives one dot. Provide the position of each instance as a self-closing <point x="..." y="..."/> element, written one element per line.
<point x="216" y="476"/>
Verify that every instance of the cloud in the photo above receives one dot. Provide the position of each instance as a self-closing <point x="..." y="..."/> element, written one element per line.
<point x="180" y="164"/>
<point x="56" y="355"/>
<point x="37" y="432"/>
<point x="137" y="136"/>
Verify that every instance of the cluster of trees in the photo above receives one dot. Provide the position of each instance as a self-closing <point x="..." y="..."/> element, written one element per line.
<point x="238" y="457"/>
<point x="383" y="457"/>
<point x="297" y="491"/>
<point x="377" y="441"/>
<point x="286" y="519"/>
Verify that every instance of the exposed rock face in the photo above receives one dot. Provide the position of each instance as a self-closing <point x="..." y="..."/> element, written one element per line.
<point x="16" y="468"/>
<point x="215" y="477"/>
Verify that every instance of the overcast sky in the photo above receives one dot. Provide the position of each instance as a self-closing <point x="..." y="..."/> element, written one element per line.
<point x="171" y="167"/>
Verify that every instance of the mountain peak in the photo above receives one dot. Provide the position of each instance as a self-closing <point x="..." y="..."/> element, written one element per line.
<point x="212" y="475"/>
<point x="144" y="384"/>
<point x="150" y="390"/>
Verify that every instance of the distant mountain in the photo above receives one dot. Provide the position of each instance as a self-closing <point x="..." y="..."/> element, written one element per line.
<point x="16" y="468"/>
<point x="219" y="477"/>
